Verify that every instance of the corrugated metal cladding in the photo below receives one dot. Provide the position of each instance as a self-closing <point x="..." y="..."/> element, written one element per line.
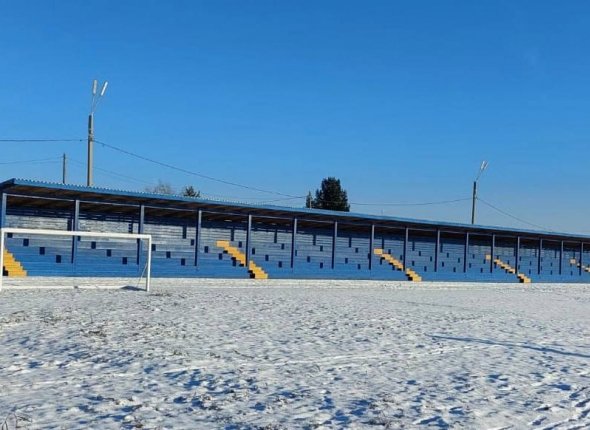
<point x="204" y="238"/>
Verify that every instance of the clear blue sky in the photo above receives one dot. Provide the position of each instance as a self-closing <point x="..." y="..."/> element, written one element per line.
<point x="400" y="100"/>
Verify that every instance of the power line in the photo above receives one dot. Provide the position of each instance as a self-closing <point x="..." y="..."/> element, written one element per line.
<point x="223" y="181"/>
<point x="39" y="140"/>
<point x="189" y="172"/>
<point x="41" y="160"/>
<point x="260" y="200"/>
<point x="440" y="202"/>
<point x="513" y="216"/>
<point x="114" y="174"/>
<point x="285" y="196"/>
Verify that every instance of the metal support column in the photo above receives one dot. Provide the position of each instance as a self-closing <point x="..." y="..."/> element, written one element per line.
<point x="474" y="198"/>
<point x="466" y="252"/>
<point x="334" y="244"/>
<point x="90" y="168"/>
<point x="3" y="208"/>
<point x="517" y="255"/>
<point x="140" y="228"/>
<point x="406" y="239"/>
<point x="371" y="246"/>
<point x="581" y="257"/>
<point x="198" y="237"/>
<point x="293" y="243"/>
<point x="492" y="253"/>
<point x="560" y="258"/>
<point x="248" y="240"/>
<point x="437" y="250"/>
<point x="539" y="259"/>
<point x="74" y="227"/>
<point x="64" y="169"/>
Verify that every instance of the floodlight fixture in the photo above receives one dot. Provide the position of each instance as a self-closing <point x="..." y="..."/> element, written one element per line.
<point x="482" y="168"/>
<point x="104" y="88"/>
<point x="94" y="103"/>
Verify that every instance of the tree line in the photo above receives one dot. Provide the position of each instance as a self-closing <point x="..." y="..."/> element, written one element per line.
<point x="330" y="196"/>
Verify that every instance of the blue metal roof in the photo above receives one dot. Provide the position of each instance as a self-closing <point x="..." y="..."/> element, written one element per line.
<point x="331" y="215"/>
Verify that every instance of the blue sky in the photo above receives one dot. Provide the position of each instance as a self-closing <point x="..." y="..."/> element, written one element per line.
<point x="400" y="100"/>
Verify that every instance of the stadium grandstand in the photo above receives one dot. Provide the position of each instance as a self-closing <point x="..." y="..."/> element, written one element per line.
<point x="202" y="238"/>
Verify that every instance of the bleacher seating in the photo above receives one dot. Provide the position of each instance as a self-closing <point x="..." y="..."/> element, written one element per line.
<point x="179" y="252"/>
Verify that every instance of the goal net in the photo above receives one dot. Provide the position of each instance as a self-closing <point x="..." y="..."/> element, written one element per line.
<point x="58" y="258"/>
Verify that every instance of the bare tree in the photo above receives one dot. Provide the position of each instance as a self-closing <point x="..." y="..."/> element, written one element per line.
<point x="161" y="188"/>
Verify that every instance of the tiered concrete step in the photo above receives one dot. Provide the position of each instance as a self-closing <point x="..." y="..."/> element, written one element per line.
<point x="522" y="278"/>
<point x="577" y="264"/>
<point x="12" y="267"/>
<point x="410" y="274"/>
<point x="255" y="271"/>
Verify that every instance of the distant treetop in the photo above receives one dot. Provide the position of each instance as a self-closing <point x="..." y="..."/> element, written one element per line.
<point x="330" y="196"/>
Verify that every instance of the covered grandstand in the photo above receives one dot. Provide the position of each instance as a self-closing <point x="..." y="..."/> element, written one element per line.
<point x="203" y="238"/>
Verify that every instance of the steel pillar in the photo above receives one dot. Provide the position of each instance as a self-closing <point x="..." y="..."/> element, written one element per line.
<point x="465" y="266"/>
<point x="293" y="243"/>
<point x="561" y="258"/>
<point x="75" y="227"/>
<point x="436" y="250"/>
<point x="198" y="237"/>
<point x="248" y="240"/>
<point x="406" y="239"/>
<point x="581" y="257"/>
<point x="334" y="244"/>
<point x="493" y="252"/>
<point x="517" y="255"/>
<point x="539" y="258"/>
<point x="3" y="208"/>
<point x="371" y="246"/>
<point x="140" y="228"/>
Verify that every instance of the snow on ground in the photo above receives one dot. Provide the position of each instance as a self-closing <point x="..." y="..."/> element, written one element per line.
<point x="285" y="354"/>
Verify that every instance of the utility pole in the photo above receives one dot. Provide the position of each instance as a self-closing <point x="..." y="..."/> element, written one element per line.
<point x="473" y="202"/>
<point x="95" y="100"/>
<point x="63" y="169"/>
<point x="483" y="166"/>
<point x="89" y="179"/>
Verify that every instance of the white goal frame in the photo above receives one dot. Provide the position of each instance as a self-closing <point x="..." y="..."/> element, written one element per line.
<point x="77" y="233"/>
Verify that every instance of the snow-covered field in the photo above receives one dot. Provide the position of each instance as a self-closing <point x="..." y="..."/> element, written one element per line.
<point x="269" y="355"/>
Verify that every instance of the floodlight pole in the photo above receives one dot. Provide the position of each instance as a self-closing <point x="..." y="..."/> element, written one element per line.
<point x="90" y="149"/>
<point x="63" y="169"/>
<point x="483" y="166"/>
<point x="473" y="202"/>
<point x="96" y="96"/>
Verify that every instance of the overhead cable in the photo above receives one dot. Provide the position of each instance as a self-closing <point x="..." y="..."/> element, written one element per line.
<point x="40" y="140"/>
<point x="513" y="216"/>
<point x="189" y="172"/>
<point x="41" y="160"/>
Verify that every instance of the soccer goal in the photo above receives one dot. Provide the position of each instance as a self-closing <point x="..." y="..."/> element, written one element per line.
<point x="38" y="257"/>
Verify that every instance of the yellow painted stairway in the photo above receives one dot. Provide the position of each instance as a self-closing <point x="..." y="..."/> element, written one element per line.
<point x="411" y="275"/>
<point x="577" y="264"/>
<point x="255" y="271"/>
<point x="12" y="267"/>
<point x="509" y="269"/>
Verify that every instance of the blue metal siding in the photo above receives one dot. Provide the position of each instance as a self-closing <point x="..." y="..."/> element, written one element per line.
<point x="333" y="247"/>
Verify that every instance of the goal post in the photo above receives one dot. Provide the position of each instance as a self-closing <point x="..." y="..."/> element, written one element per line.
<point x="76" y="235"/>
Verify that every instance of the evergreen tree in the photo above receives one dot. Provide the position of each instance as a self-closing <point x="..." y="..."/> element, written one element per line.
<point x="189" y="191"/>
<point x="331" y="196"/>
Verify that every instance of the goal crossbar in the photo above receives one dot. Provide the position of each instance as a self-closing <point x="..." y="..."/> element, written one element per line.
<point x="77" y="233"/>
